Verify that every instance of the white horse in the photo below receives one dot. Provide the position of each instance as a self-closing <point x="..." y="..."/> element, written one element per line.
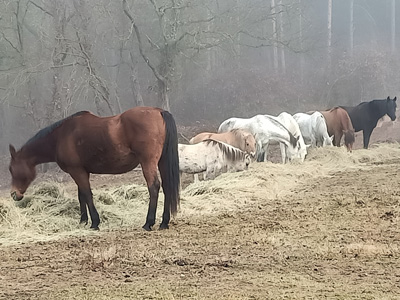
<point x="264" y="130"/>
<point x="314" y="129"/>
<point x="211" y="157"/>
<point x="290" y="123"/>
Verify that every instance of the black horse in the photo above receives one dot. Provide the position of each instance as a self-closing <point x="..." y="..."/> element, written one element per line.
<point x="365" y="115"/>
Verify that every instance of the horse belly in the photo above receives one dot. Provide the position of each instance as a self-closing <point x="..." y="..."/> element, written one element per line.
<point x="115" y="165"/>
<point x="108" y="160"/>
<point x="190" y="165"/>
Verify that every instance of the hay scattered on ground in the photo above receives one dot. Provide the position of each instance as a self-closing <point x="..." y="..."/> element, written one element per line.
<point x="49" y="212"/>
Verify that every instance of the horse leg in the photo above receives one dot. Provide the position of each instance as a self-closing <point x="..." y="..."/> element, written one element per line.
<point x="339" y="135"/>
<point x="314" y="141"/>
<point x="366" y="136"/>
<point x="283" y="152"/>
<point x="196" y="178"/>
<point x="81" y="178"/>
<point x="82" y="204"/>
<point x="153" y="185"/>
<point x="265" y="151"/>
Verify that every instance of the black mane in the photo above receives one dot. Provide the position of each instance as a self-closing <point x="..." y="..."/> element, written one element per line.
<point x="45" y="131"/>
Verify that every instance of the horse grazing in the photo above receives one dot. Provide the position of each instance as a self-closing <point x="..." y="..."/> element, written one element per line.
<point x="365" y="115"/>
<point x="84" y="143"/>
<point x="237" y="138"/>
<point x="290" y="123"/>
<point x="338" y="123"/>
<point x="264" y="130"/>
<point x="313" y="128"/>
<point x="211" y="157"/>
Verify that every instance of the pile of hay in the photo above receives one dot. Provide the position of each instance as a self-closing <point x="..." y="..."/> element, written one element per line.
<point x="48" y="211"/>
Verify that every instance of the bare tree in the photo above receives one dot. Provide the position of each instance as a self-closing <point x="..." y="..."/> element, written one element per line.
<point x="393" y="27"/>
<point x="351" y="29"/>
<point x="329" y="32"/>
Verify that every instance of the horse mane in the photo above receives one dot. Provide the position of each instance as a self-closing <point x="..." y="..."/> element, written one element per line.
<point x="230" y="152"/>
<point x="45" y="131"/>
<point x="240" y="133"/>
<point x="334" y="108"/>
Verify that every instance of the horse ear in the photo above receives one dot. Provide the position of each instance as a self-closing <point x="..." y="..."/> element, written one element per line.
<point x="388" y="98"/>
<point x="13" y="152"/>
<point x="395" y="98"/>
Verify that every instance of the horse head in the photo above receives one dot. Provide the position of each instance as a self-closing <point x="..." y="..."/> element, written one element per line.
<point x="349" y="139"/>
<point x="250" y="145"/>
<point x="391" y="107"/>
<point x="22" y="174"/>
<point x="295" y="150"/>
<point x="328" y="141"/>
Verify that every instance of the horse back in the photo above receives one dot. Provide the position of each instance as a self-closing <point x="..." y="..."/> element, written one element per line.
<point x="112" y="145"/>
<point x="360" y="115"/>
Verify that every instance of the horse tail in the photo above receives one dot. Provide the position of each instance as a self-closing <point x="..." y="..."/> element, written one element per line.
<point x="170" y="164"/>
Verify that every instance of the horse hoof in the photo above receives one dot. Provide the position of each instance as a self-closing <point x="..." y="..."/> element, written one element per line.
<point x="83" y="222"/>
<point x="94" y="228"/>
<point x="146" y="227"/>
<point x="163" y="226"/>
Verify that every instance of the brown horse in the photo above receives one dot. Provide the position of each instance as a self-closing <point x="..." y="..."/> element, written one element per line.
<point x="338" y="123"/>
<point x="84" y="143"/>
<point x="238" y="138"/>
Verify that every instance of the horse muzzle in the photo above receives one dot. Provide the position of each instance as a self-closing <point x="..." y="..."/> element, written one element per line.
<point x="17" y="196"/>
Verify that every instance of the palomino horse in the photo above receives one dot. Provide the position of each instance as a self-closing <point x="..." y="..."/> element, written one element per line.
<point x="84" y="143"/>
<point x="290" y="123"/>
<point x="264" y="130"/>
<point x="365" y="115"/>
<point x="211" y="157"/>
<point x="338" y="123"/>
<point x="313" y="128"/>
<point x="237" y="138"/>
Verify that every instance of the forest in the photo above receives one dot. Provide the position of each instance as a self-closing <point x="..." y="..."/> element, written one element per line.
<point x="202" y="60"/>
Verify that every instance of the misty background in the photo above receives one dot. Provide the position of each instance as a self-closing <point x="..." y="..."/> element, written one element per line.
<point x="204" y="60"/>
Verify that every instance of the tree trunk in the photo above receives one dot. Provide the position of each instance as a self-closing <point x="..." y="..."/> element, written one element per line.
<point x="393" y="18"/>
<point x="163" y="98"/>
<point x="329" y="32"/>
<point x="280" y="19"/>
<point x="274" y="35"/>
<point x="135" y="86"/>
<point x="302" y="62"/>
<point x="351" y="27"/>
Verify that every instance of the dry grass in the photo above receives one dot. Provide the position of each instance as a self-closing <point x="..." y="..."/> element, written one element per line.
<point x="324" y="229"/>
<point x="49" y="212"/>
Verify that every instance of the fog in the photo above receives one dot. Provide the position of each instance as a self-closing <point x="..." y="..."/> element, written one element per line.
<point x="204" y="60"/>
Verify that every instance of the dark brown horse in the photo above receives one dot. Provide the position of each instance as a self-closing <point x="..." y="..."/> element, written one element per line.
<point x="338" y="123"/>
<point x="365" y="115"/>
<point x="84" y="143"/>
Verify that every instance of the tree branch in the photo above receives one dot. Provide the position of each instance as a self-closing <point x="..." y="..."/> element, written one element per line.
<point x="139" y="39"/>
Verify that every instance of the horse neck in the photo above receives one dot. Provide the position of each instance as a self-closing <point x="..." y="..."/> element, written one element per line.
<point x="379" y="107"/>
<point x="231" y="153"/>
<point x="40" y="151"/>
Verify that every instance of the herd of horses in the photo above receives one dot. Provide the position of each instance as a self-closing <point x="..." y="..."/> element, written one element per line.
<point x="83" y="143"/>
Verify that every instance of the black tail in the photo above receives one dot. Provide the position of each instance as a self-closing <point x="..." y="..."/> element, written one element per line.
<point x="169" y="164"/>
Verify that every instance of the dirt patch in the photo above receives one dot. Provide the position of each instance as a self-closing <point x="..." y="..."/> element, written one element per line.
<point x="322" y="229"/>
<point x="325" y="228"/>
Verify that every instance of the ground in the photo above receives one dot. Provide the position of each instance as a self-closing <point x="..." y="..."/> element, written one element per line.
<point x="327" y="228"/>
